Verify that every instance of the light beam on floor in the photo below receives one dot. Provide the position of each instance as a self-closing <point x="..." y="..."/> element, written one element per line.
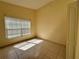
<point x="27" y="45"/>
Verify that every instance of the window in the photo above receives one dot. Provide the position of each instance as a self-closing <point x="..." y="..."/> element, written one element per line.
<point x="17" y="27"/>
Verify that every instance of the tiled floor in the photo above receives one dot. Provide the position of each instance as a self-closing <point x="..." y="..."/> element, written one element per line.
<point x="43" y="50"/>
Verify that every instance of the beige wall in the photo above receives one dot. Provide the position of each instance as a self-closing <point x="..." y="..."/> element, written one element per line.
<point x="52" y="21"/>
<point x="18" y="12"/>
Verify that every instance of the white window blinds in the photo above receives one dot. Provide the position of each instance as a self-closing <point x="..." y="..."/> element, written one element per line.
<point x="17" y="27"/>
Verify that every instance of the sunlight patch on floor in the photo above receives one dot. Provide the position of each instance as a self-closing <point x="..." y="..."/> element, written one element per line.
<point x="28" y="44"/>
<point x="36" y="41"/>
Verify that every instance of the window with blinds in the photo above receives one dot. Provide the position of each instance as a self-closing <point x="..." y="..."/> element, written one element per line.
<point x="17" y="27"/>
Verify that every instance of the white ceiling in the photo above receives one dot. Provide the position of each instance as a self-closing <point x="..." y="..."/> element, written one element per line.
<point x="33" y="4"/>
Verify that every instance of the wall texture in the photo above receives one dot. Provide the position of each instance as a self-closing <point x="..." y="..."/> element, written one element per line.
<point x="18" y="12"/>
<point x="52" y="21"/>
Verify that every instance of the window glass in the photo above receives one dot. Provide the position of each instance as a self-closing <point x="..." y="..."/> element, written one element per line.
<point x="17" y="27"/>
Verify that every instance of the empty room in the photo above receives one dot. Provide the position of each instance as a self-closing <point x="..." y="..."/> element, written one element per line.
<point x="38" y="29"/>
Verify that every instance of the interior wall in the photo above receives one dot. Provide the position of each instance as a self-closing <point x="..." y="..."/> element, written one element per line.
<point x="52" y="21"/>
<point x="17" y="12"/>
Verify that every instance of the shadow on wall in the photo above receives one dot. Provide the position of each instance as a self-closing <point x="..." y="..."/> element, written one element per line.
<point x="59" y="33"/>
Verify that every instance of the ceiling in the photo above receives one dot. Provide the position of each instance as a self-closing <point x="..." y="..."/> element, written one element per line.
<point x="33" y="4"/>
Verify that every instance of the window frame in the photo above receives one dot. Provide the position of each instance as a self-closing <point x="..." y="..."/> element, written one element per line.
<point x="21" y="34"/>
